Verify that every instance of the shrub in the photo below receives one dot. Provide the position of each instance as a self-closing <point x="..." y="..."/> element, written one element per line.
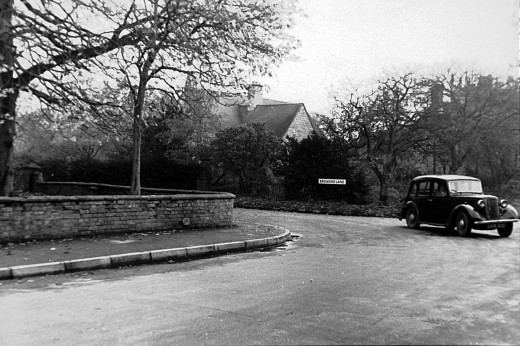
<point x="315" y="157"/>
<point x="155" y="172"/>
<point x="319" y="207"/>
<point x="246" y="152"/>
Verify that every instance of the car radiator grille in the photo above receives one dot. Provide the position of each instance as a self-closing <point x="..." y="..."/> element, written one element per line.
<point x="492" y="209"/>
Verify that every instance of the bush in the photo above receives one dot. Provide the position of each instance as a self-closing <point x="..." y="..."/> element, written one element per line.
<point x="246" y="152"/>
<point x="321" y="207"/>
<point x="315" y="157"/>
<point x="155" y="172"/>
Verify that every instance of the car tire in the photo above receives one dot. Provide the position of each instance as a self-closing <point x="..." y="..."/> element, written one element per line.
<point x="412" y="217"/>
<point x="506" y="231"/>
<point x="463" y="224"/>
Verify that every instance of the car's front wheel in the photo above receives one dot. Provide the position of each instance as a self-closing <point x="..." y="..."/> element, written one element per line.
<point x="412" y="218"/>
<point x="506" y="231"/>
<point x="462" y="224"/>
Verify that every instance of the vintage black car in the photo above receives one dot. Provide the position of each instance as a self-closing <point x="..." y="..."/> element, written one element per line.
<point x="456" y="201"/>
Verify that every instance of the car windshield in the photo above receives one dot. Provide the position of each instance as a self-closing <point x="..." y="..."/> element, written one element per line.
<point x="465" y="186"/>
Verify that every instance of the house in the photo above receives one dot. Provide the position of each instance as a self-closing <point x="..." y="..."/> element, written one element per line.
<point x="283" y="118"/>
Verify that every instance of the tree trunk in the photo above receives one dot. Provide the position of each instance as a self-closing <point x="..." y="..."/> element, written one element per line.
<point x="241" y="184"/>
<point x="383" y="183"/>
<point x="135" y="187"/>
<point x="139" y="101"/>
<point x="384" y="175"/>
<point x="8" y="97"/>
<point x="456" y="161"/>
<point x="383" y="191"/>
<point x="7" y="135"/>
<point x="386" y="181"/>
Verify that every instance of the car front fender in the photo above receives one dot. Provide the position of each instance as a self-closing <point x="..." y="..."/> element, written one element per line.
<point x="509" y="213"/>
<point x="472" y="213"/>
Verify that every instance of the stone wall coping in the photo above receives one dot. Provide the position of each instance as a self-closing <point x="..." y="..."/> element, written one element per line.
<point x="184" y="196"/>
<point x="123" y="187"/>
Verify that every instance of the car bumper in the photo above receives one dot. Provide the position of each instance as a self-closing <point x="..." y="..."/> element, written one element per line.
<point x="492" y="224"/>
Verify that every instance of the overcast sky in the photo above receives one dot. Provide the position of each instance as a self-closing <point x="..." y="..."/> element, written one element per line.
<point x="358" y="40"/>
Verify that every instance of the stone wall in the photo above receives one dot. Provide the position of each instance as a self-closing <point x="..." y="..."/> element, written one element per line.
<point x="47" y="217"/>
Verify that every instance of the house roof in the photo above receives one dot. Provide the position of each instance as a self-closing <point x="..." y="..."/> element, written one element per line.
<point x="278" y="117"/>
<point x="273" y="102"/>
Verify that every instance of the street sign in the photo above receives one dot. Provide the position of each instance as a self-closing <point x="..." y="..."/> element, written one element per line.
<point x="333" y="181"/>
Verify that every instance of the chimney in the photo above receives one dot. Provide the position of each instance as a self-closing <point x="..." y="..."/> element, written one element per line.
<point x="254" y="96"/>
<point x="436" y="96"/>
<point x="485" y="82"/>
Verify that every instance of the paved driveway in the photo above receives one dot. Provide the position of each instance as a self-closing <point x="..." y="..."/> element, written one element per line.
<point x="345" y="280"/>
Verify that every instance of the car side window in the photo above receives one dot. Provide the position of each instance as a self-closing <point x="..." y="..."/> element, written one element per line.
<point x="439" y="189"/>
<point x="424" y="188"/>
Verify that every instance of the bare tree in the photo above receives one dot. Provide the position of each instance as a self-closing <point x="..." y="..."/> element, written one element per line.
<point x="44" y="47"/>
<point x="477" y="113"/>
<point x="382" y="125"/>
<point x="41" y="44"/>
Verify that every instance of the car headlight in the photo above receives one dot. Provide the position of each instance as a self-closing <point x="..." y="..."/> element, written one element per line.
<point x="504" y="203"/>
<point x="481" y="204"/>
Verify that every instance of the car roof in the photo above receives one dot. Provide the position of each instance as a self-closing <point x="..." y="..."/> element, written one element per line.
<point x="445" y="177"/>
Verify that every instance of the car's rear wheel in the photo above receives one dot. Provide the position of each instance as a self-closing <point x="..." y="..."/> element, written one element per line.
<point x="412" y="217"/>
<point x="506" y="231"/>
<point x="462" y="224"/>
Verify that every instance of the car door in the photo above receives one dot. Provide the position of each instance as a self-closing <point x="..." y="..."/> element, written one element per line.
<point x="424" y="200"/>
<point x="440" y="205"/>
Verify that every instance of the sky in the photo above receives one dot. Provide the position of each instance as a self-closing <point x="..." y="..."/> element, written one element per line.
<point x="356" y="41"/>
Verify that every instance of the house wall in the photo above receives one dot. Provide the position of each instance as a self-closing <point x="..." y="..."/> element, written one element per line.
<point x="48" y="217"/>
<point x="301" y="126"/>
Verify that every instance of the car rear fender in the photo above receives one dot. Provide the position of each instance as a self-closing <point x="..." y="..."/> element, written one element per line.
<point x="402" y="215"/>
<point x="468" y="209"/>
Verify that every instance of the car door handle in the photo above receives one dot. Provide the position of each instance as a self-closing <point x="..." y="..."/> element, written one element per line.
<point x="429" y="200"/>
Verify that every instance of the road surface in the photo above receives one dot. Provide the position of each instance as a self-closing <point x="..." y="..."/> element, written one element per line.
<point x="345" y="280"/>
